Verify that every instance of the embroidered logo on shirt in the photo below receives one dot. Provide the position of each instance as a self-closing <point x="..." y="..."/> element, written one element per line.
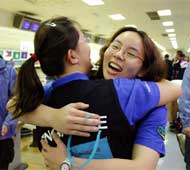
<point x="161" y="131"/>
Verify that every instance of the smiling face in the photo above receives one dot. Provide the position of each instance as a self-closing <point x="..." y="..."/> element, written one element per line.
<point x="124" y="56"/>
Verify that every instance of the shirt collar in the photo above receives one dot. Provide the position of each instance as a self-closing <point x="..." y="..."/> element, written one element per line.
<point x="71" y="77"/>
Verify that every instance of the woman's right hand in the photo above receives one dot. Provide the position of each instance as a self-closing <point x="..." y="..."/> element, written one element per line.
<point x="71" y="120"/>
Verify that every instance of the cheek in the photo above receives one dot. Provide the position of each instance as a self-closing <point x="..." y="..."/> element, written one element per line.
<point x="132" y="69"/>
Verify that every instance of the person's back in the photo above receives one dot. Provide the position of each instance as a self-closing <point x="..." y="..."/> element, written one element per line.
<point x="102" y="98"/>
<point x="179" y="66"/>
<point x="169" y="67"/>
<point x="7" y="126"/>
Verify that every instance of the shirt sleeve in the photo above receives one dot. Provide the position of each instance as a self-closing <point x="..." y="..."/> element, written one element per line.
<point x="9" y="122"/>
<point x="184" y="100"/>
<point x="136" y="97"/>
<point x="151" y="131"/>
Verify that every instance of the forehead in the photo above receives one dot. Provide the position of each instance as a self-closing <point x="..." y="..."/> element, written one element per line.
<point x="129" y="38"/>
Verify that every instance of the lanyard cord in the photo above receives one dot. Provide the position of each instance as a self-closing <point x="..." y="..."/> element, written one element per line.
<point x="91" y="155"/>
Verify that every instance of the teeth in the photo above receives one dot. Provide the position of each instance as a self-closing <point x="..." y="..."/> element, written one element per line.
<point x="115" y="66"/>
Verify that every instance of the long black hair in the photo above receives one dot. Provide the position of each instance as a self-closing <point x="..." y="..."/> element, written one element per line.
<point x="52" y="41"/>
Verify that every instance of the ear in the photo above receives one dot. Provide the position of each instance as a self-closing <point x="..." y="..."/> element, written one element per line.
<point x="72" y="57"/>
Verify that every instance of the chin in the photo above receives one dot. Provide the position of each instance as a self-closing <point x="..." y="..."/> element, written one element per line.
<point x="108" y="77"/>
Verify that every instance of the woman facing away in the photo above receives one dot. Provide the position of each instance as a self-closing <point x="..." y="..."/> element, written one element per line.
<point x="121" y="55"/>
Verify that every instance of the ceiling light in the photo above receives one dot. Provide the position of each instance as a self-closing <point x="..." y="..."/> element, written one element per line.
<point x="170" y="30"/>
<point x="165" y="12"/>
<point x="171" y="35"/>
<point x="134" y="26"/>
<point x="174" y="44"/>
<point x="117" y="17"/>
<point x="94" y="2"/>
<point x="172" y="38"/>
<point x="167" y="23"/>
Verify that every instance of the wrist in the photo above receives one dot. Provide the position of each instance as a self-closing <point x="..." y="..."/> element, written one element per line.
<point x="51" y="116"/>
<point x="65" y="165"/>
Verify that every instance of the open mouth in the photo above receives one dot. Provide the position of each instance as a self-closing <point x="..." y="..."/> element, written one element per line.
<point x="114" y="66"/>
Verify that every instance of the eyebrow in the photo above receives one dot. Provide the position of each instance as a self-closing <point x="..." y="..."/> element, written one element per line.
<point x="117" y="41"/>
<point x="130" y="48"/>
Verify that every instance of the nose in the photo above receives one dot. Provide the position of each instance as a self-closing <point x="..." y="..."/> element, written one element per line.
<point x="119" y="55"/>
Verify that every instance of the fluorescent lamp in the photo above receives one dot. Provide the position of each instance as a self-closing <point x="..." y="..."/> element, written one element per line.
<point x="93" y="2"/>
<point x="172" y="38"/>
<point x="117" y="17"/>
<point x="134" y="26"/>
<point x="170" y="30"/>
<point x="171" y="35"/>
<point x="174" y="44"/>
<point x="167" y="23"/>
<point x="165" y="12"/>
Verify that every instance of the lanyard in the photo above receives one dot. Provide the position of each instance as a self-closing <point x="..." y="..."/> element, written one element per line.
<point x="91" y="155"/>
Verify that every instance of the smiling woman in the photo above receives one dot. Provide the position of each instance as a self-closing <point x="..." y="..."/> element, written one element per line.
<point x="130" y="53"/>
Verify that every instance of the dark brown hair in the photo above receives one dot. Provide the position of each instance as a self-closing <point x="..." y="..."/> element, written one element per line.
<point x="153" y="65"/>
<point x="52" y="41"/>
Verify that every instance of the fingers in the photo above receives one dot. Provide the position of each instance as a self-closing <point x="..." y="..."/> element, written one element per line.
<point x="45" y="145"/>
<point x="81" y="113"/>
<point x="84" y="128"/>
<point x="82" y="120"/>
<point x="58" y="140"/>
<point x="79" y="133"/>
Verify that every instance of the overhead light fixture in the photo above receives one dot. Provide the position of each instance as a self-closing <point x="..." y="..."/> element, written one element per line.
<point x="170" y="30"/>
<point x="117" y="17"/>
<point x="94" y="2"/>
<point x="174" y="44"/>
<point x="171" y="35"/>
<point x="172" y="38"/>
<point x="167" y="23"/>
<point x="134" y="26"/>
<point x="165" y="12"/>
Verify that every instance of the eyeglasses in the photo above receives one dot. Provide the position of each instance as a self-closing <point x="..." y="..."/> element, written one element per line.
<point x="129" y="53"/>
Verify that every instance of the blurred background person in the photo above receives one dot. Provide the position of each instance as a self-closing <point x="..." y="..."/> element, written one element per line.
<point x="7" y="125"/>
<point x="184" y="113"/>
<point x="169" y="67"/>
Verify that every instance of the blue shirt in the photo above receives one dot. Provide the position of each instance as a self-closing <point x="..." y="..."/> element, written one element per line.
<point x="184" y="100"/>
<point x="132" y="95"/>
<point x="7" y="81"/>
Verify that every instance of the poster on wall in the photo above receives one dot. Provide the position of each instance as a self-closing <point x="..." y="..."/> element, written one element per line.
<point x="7" y="55"/>
<point x="16" y="55"/>
<point x="24" y="55"/>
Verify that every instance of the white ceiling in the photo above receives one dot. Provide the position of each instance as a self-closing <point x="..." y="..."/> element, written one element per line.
<point x="96" y="20"/>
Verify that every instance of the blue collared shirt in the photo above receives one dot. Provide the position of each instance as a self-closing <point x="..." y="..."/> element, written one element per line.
<point x="132" y="95"/>
<point x="184" y="100"/>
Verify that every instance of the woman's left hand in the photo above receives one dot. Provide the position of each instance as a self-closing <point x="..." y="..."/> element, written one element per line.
<point x="54" y="156"/>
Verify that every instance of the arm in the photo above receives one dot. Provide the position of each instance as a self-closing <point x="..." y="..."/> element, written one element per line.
<point x="69" y="119"/>
<point x="168" y="91"/>
<point x="143" y="158"/>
